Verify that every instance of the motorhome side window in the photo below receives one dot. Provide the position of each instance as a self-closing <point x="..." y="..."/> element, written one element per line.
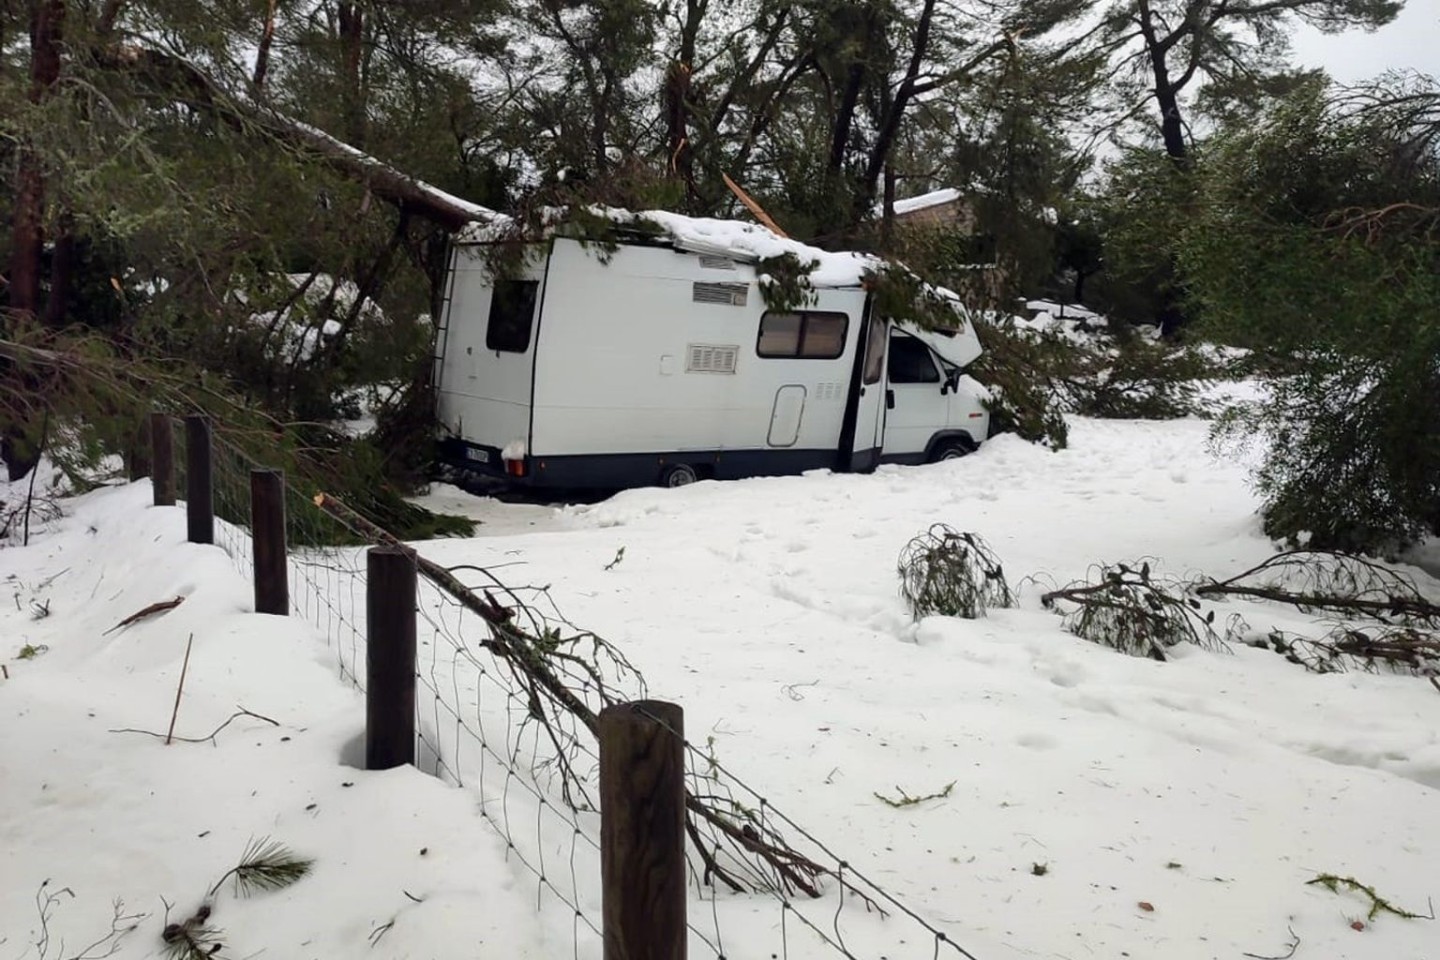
<point x="802" y="334"/>
<point x="910" y="361"/>
<point x="512" y="311"/>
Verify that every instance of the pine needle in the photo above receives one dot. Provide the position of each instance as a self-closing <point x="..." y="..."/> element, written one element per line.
<point x="266" y="865"/>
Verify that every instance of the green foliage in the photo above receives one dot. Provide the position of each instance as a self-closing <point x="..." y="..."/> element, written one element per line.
<point x="1141" y="379"/>
<point x="1020" y="367"/>
<point x="1316" y="241"/>
<point x="1378" y="904"/>
<point x="266" y="865"/>
<point x="1124" y="607"/>
<point x="785" y="282"/>
<point x="1039" y="374"/>
<point x="906" y="800"/>
<point x="897" y="292"/>
<point x="951" y="574"/>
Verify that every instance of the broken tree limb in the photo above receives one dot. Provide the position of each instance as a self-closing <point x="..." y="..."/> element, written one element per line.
<point x="181" y="81"/>
<point x="241" y="712"/>
<point x="535" y="655"/>
<point x="1338" y="582"/>
<point x="754" y="208"/>
<point x="150" y="611"/>
<point x="507" y="642"/>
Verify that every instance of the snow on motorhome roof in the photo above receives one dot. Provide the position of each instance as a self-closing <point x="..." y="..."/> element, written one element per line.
<point x="740" y="241"/>
<point x="751" y="242"/>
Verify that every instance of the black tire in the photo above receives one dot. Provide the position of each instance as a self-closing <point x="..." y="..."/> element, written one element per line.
<point x="951" y="448"/>
<point x="678" y="475"/>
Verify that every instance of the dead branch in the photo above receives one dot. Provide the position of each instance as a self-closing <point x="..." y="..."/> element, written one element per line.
<point x="241" y="712"/>
<point x="1293" y="945"/>
<point x="122" y="924"/>
<point x="154" y="608"/>
<point x="1312" y="580"/>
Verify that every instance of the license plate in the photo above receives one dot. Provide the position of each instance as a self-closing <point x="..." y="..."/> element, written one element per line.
<point x="478" y="455"/>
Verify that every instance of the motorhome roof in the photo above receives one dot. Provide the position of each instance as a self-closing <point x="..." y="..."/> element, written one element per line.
<point x="739" y="241"/>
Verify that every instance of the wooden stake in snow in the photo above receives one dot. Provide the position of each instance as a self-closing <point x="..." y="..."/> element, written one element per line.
<point x="138" y="615"/>
<point x="184" y="668"/>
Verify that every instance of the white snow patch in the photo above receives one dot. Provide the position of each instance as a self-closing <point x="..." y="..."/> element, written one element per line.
<point x="1212" y="787"/>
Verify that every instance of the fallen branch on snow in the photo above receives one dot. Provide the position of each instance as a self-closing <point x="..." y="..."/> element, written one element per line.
<point x="241" y="712"/>
<point x="1294" y="944"/>
<point x="150" y="611"/>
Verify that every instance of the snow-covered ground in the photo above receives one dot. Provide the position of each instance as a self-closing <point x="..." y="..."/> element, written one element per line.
<point x="1102" y="806"/>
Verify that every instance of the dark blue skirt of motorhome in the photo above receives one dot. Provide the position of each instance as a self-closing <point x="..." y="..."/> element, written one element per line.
<point x="621" y="470"/>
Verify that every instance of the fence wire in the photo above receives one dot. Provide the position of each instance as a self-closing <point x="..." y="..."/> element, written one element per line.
<point x="764" y="886"/>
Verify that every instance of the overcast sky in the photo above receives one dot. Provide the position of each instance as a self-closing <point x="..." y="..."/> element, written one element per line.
<point x="1411" y="41"/>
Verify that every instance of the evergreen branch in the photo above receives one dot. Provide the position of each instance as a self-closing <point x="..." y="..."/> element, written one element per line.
<point x="266" y="865"/>
<point x="905" y="800"/>
<point x="1378" y="904"/>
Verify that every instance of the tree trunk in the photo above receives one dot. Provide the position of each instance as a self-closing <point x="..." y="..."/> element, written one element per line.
<point x="845" y="117"/>
<point x="677" y="104"/>
<point x="47" y="20"/>
<point x="1167" y="94"/>
<point x="62" y="264"/>
<point x="262" y="55"/>
<point x="1172" y="129"/>
<point x="352" y="44"/>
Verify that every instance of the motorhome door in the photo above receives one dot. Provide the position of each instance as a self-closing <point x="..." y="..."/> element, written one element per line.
<point x="915" y="394"/>
<point x="864" y="430"/>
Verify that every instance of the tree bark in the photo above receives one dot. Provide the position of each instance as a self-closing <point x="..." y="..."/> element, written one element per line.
<point x="677" y="103"/>
<point x="62" y="270"/>
<point x="351" y="21"/>
<point x="47" y="22"/>
<point x="47" y="19"/>
<point x="1167" y="94"/>
<point x="262" y="55"/>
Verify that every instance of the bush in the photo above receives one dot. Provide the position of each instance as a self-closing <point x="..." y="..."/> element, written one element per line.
<point x="950" y="574"/>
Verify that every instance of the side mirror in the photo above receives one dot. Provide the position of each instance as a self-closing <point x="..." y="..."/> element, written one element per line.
<point x="951" y="382"/>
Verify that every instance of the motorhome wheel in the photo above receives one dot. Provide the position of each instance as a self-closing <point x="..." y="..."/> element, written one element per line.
<point x="951" y="449"/>
<point x="678" y="475"/>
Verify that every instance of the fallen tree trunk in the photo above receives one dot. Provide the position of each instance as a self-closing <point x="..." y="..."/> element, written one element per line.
<point x="181" y="81"/>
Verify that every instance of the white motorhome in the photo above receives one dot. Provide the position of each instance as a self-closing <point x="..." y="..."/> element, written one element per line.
<point x="657" y="361"/>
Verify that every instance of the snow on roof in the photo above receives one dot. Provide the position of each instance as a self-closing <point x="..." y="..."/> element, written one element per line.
<point x="751" y="243"/>
<point x="925" y="201"/>
<point x="736" y="239"/>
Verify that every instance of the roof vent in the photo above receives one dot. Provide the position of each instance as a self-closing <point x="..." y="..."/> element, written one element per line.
<point x="729" y="294"/>
<point x="710" y="358"/>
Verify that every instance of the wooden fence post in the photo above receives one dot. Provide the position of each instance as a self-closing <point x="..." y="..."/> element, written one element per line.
<point x="642" y="830"/>
<point x="162" y="459"/>
<point x="199" y="486"/>
<point x="267" y="529"/>
<point x="389" y="658"/>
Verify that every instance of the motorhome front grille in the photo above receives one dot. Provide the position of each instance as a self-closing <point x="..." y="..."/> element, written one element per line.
<point x="729" y="294"/>
<point x="711" y="262"/>
<point x="709" y="358"/>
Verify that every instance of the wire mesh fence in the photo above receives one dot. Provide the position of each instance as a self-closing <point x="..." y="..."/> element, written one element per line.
<point x="508" y="696"/>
